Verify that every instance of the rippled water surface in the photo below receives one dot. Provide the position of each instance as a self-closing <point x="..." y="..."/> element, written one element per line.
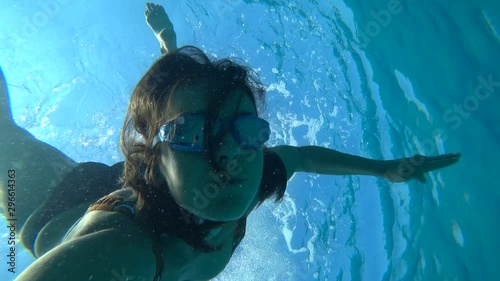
<point x="381" y="79"/>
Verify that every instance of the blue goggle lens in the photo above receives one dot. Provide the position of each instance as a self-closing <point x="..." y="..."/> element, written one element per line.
<point x="186" y="132"/>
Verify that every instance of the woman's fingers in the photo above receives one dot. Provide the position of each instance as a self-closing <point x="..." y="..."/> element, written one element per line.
<point x="152" y="7"/>
<point x="446" y="157"/>
<point x="429" y="163"/>
<point x="415" y="167"/>
<point x="160" y="9"/>
<point x="442" y="161"/>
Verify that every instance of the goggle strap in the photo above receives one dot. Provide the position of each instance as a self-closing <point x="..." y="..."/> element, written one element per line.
<point x="156" y="141"/>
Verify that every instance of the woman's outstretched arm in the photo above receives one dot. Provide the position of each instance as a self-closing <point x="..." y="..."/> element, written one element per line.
<point x="162" y="27"/>
<point x="320" y="160"/>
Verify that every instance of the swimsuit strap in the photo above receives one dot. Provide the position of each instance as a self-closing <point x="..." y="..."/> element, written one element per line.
<point x="114" y="203"/>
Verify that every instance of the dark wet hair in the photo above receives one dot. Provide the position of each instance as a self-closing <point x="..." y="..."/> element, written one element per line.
<point x="150" y="99"/>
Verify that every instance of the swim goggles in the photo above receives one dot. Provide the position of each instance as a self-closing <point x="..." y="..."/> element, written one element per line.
<point x="186" y="132"/>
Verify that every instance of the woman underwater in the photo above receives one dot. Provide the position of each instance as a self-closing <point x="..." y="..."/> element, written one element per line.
<point x="195" y="167"/>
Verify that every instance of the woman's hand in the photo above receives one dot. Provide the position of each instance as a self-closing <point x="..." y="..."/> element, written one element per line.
<point x="157" y="18"/>
<point x="404" y="169"/>
<point x="162" y="27"/>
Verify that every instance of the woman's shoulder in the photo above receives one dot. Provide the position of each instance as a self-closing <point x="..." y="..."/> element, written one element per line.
<point x="288" y="158"/>
<point x="100" y="220"/>
<point x="101" y="245"/>
<point x="113" y="211"/>
<point x="274" y="177"/>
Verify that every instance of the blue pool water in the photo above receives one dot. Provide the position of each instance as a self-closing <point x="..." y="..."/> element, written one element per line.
<point x="381" y="79"/>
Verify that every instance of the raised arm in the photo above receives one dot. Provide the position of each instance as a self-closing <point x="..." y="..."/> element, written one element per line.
<point x="320" y="160"/>
<point x="162" y="27"/>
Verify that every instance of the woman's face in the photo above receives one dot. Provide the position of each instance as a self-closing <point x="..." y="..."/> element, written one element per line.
<point x="222" y="195"/>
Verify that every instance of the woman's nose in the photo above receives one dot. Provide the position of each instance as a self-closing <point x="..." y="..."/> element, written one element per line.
<point x="229" y="149"/>
<point x="225" y="158"/>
